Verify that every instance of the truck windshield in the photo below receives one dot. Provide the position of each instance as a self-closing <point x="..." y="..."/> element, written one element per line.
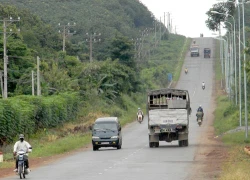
<point x="194" y="49"/>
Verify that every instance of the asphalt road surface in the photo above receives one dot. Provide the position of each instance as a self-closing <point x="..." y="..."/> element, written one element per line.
<point x="136" y="161"/>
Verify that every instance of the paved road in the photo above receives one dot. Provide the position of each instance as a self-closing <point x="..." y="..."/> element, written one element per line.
<point x="136" y="160"/>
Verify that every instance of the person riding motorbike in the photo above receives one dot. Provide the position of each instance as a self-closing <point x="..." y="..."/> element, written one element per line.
<point x="26" y="147"/>
<point x="186" y="70"/>
<point x="200" y="112"/>
<point x="203" y="84"/>
<point x="140" y="113"/>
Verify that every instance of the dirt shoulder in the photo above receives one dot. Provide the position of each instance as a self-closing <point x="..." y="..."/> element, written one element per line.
<point x="211" y="153"/>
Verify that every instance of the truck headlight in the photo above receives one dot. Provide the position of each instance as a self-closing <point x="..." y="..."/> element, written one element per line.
<point x="95" y="137"/>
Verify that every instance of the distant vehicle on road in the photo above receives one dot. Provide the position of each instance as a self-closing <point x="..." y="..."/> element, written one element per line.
<point x="106" y="132"/>
<point x="201" y="35"/>
<point x="194" y="51"/>
<point x="207" y="52"/>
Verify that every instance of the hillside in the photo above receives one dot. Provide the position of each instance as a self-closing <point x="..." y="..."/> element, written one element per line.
<point x="106" y="17"/>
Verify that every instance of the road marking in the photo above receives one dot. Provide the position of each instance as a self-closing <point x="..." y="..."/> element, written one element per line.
<point x="194" y="92"/>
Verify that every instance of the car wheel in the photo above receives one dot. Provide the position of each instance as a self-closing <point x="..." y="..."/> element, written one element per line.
<point x="95" y="148"/>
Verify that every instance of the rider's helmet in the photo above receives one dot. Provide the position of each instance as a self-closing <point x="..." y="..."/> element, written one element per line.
<point x="21" y="137"/>
<point x="139" y="108"/>
<point x="200" y="106"/>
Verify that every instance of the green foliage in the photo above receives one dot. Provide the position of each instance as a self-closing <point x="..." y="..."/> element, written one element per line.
<point x="107" y="79"/>
<point x="105" y="17"/>
<point x="214" y="20"/>
<point x="122" y="49"/>
<point x="165" y="59"/>
<point x="26" y="114"/>
<point x="225" y="116"/>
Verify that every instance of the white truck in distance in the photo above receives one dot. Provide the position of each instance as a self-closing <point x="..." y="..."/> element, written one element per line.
<point x="168" y="116"/>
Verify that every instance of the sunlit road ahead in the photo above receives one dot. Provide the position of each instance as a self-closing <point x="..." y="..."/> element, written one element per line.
<point x="136" y="161"/>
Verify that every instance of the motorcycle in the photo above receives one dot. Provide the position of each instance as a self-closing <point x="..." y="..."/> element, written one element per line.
<point x="199" y="121"/>
<point x="199" y="118"/>
<point x="139" y="118"/>
<point x="203" y="87"/>
<point x="22" y="169"/>
<point x="186" y="71"/>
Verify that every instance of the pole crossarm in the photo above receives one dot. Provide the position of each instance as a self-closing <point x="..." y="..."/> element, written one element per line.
<point x="66" y="32"/>
<point x="92" y="39"/>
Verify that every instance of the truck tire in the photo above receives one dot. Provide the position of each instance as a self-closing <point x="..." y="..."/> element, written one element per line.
<point x="180" y="143"/>
<point x="185" y="142"/>
<point x="157" y="144"/>
<point x="151" y="144"/>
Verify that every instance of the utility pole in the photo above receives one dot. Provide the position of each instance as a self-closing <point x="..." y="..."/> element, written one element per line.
<point x="38" y="77"/>
<point x="164" y="20"/>
<point x="1" y="80"/>
<point x="32" y="77"/>
<point x="66" y="32"/>
<point x="160" y="29"/>
<point x="245" y="74"/>
<point x="240" y="97"/>
<point x="92" y="39"/>
<point x="6" y="23"/>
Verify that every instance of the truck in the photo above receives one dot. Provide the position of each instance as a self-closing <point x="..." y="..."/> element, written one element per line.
<point x="207" y="52"/>
<point x="168" y="113"/>
<point x="194" y="51"/>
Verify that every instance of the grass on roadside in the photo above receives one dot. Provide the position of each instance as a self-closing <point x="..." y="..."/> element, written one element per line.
<point x="237" y="166"/>
<point x="226" y="118"/>
<point x="178" y="69"/>
<point x="226" y="115"/>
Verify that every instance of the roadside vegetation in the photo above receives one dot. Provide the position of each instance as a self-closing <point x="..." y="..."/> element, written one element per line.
<point x="226" y="124"/>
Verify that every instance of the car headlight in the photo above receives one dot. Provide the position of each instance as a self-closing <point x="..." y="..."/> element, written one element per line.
<point x="114" y="137"/>
<point x="95" y="137"/>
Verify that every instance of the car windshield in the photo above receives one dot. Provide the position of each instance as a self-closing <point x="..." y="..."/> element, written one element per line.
<point x="105" y="126"/>
<point x="207" y="51"/>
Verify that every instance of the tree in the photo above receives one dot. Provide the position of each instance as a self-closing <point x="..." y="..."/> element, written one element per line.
<point x="214" y="20"/>
<point x="122" y="49"/>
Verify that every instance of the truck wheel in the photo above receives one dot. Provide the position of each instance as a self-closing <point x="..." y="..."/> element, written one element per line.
<point x="185" y="142"/>
<point x="180" y="143"/>
<point x="151" y="144"/>
<point x="157" y="144"/>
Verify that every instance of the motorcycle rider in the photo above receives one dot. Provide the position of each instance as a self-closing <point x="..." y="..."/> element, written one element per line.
<point x="186" y="70"/>
<point x="200" y="112"/>
<point x="140" y="113"/>
<point x="203" y="84"/>
<point x="26" y="147"/>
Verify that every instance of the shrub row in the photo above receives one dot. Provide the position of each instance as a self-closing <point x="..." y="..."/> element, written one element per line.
<point x="28" y="114"/>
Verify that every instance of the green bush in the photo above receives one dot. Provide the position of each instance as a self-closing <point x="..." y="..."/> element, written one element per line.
<point x="28" y="114"/>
